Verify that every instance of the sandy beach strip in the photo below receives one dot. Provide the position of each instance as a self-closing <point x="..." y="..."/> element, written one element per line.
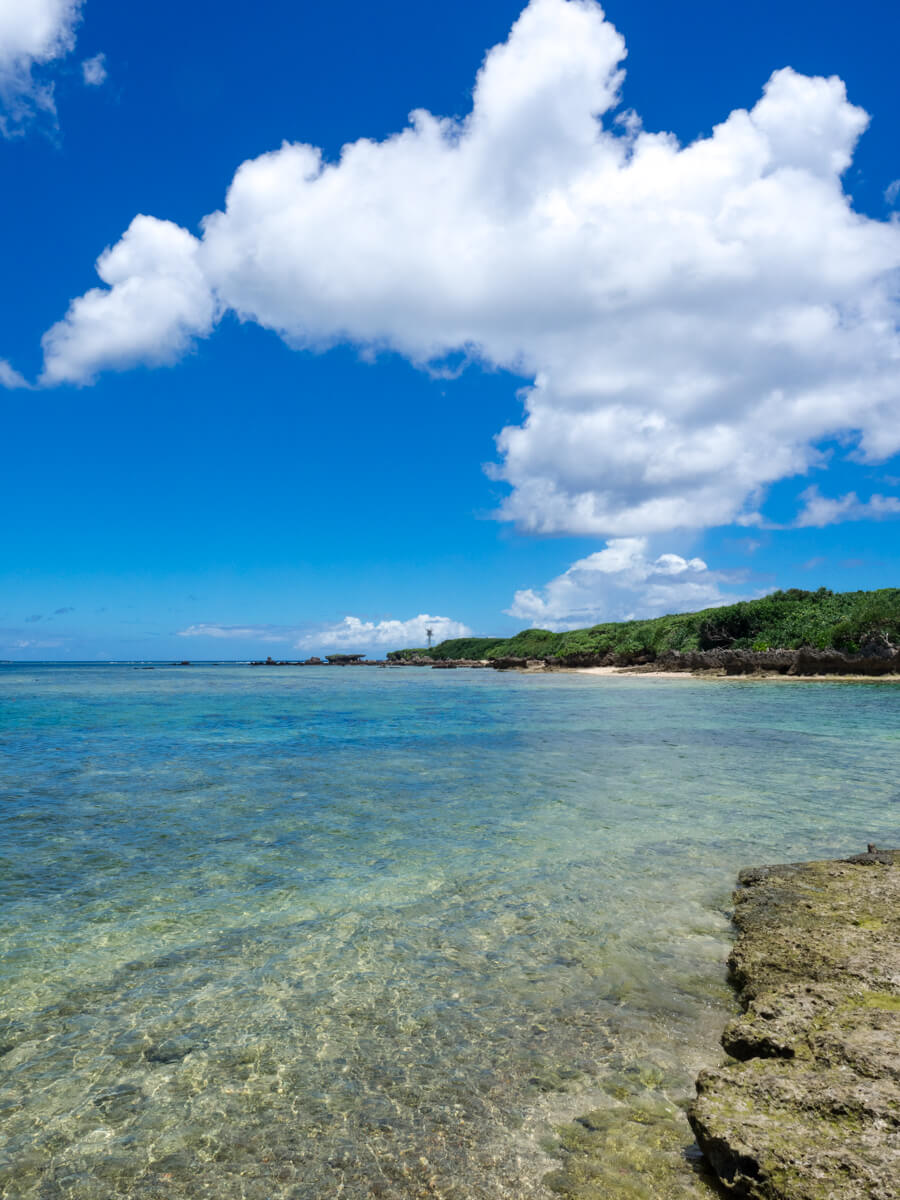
<point x="630" y="671"/>
<point x="762" y="676"/>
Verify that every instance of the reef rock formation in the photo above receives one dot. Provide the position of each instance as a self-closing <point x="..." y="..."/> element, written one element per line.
<point x="811" y="1111"/>
<point x="805" y="661"/>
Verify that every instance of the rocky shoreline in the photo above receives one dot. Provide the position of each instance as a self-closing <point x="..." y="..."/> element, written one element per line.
<point x="810" y="1109"/>
<point x="873" y="662"/>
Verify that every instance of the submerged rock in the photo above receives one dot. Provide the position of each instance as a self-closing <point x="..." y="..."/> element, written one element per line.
<point x="811" y="1111"/>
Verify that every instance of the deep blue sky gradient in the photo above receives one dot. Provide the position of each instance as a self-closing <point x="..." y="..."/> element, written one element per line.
<point x="256" y="484"/>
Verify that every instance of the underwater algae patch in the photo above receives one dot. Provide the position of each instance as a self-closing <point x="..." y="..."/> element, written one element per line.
<point x="633" y="1151"/>
<point x="811" y="1109"/>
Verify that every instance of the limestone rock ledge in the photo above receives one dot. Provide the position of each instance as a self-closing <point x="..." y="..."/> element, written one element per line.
<point x="811" y="1109"/>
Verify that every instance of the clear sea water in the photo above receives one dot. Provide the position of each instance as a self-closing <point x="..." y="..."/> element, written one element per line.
<point x="309" y="933"/>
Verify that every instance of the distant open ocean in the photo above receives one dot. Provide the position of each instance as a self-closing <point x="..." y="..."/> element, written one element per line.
<point x="316" y="932"/>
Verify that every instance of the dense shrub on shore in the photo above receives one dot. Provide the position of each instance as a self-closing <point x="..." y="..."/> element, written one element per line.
<point x="786" y="620"/>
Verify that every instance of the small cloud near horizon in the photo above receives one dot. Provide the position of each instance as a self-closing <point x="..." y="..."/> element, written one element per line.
<point x="11" y="639"/>
<point x="258" y="633"/>
<point x="398" y="635"/>
<point x="620" y="583"/>
<point x="352" y="633"/>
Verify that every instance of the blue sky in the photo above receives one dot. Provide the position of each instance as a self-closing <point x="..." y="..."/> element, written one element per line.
<point x="268" y="433"/>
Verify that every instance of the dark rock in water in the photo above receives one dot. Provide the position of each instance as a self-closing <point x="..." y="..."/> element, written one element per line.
<point x="119" y="1103"/>
<point x="171" y="1050"/>
<point x="454" y="663"/>
<point x="811" y="1111"/>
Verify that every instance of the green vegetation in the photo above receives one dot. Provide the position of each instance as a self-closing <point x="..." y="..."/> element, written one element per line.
<point x="471" y="648"/>
<point x="781" y="621"/>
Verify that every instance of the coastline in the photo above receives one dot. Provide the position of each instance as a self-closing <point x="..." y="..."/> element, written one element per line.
<point x="879" y="658"/>
<point x="809" y="1104"/>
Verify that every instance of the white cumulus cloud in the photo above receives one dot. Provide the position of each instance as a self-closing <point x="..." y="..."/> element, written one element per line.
<point x="156" y="302"/>
<point x="696" y="319"/>
<point x="32" y="34"/>
<point x="819" y="510"/>
<point x="355" y="634"/>
<point x="620" y="583"/>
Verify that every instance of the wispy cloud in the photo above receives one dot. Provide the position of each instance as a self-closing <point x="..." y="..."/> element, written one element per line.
<point x="819" y="510"/>
<point x="17" y="639"/>
<point x="33" y="34"/>
<point x="10" y="378"/>
<point x="252" y="633"/>
<point x="93" y="70"/>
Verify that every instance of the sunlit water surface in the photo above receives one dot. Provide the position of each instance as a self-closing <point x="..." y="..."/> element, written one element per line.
<point x="307" y="933"/>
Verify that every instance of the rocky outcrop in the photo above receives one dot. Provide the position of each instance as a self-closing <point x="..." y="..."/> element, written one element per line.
<point x="811" y="1109"/>
<point x="805" y="661"/>
<point x="523" y="664"/>
<point x="451" y="664"/>
<point x="334" y="660"/>
<point x="872" y="661"/>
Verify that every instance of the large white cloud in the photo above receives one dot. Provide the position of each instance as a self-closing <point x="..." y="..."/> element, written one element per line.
<point x="620" y="583"/>
<point x="32" y="33"/>
<point x="695" y="319"/>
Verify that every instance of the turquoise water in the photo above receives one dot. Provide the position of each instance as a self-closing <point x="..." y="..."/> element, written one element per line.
<point x="318" y="932"/>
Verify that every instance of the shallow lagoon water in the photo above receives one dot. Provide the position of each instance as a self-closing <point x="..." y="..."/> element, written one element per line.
<point x="303" y="933"/>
